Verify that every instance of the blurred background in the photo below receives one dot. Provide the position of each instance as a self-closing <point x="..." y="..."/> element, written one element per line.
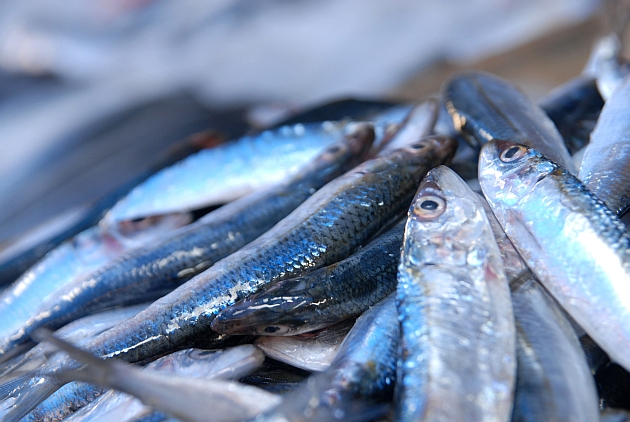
<point x="93" y="91"/>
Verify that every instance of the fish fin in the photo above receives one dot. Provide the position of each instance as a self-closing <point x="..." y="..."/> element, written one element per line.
<point x="29" y="396"/>
<point x="9" y="387"/>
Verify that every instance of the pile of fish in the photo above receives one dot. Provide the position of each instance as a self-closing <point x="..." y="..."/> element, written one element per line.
<point x="460" y="259"/>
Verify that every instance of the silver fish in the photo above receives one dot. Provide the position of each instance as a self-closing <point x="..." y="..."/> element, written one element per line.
<point x="453" y="299"/>
<point x="569" y="239"/>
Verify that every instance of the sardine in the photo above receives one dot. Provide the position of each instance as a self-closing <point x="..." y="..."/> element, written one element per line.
<point x="323" y="297"/>
<point x="227" y="172"/>
<point x="157" y="269"/>
<point x="605" y="166"/>
<point x="486" y="107"/>
<point x="326" y="228"/>
<point x="553" y="379"/>
<point x="458" y="335"/>
<point x="362" y="375"/>
<point x="577" y="248"/>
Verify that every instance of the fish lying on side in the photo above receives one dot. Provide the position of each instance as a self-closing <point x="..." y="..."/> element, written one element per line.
<point x="320" y="298"/>
<point x="326" y="228"/>
<point x="485" y="107"/>
<point x="458" y="335"/>
<point x="151" y="272"/>
<point x="577" y="248"/>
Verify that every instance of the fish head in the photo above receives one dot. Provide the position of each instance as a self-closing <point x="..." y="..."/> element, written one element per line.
<point x="444" y="222"/>
<point x="272" y="312"/>
<point x="508" y="172"/>
<point x="442" y="147"/>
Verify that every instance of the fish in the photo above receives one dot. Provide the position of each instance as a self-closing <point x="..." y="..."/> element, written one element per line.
<point x="228" y="364"/>
<point x="553" y="380"/>
<point x="606" y="66"/>
<point x="485" y="107"/>
<point x="320" y="298"/>
<point x="157" y="269"/>
<point x="326" y="228"/>
<point x="453" y="301"/>
<point x="417" y="124"/>
<point x="187" y="398"/>
<point x="311" y="352"/>
<point x="41" y="289"/>
<point x="227" y="172"/>
<point x="361" y="376"/>
<point x="574" y="108"/>
<point x="575" y="246"/>
<point x="606" y="162"/>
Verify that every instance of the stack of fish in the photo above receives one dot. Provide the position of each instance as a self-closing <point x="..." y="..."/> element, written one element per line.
<point x="377" y="281"/>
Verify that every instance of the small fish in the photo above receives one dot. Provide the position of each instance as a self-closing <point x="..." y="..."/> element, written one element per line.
<point x="605" y="169"/>
<point x="191" y="399"/>
<point x="320" y="298"/>
<point x="311" y="352"/>
<point x="569" y="239"/>
<point x="453" y="300"/>
<point x="418" y="124"/>
<point x="326" y="228"/>
<point x="605" y="65"/>
<point x="227" y="172"/>
<point x="157" y="269"/>
<point x="361" y="376"/>
<point x="553" y="379"/>
<point x="486" y="107"/>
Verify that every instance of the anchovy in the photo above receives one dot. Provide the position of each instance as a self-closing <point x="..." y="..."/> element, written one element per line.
<point x="227" y="172"/>
<point x="362" y="374"/>
<point x="326" y="228"/>
<point x="312" y="351"/>
<point x="553" y="379"/>
<point x="458" y="335"/>
<point x="323" y="297"/>
<point x="605" y="166"/>
<point x="228" y="364"/>
<point x="155" y="270"/>
<point x="569" y="239"/>
<point x="486" y="107"/>
<point x="41" y="289"/>
<point x="418" y="123"/>
<point x="605" y="65"/>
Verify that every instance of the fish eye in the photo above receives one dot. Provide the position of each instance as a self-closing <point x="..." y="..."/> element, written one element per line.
<point x="418" y="145"/>
<point x="333" y="149"/>
<point x="513" y="153"/>
<point x="276" y="330"/>
<point x="429" y="206"/>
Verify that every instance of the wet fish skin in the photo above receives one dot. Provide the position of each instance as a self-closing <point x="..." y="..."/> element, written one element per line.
<point x="362" y="375"/>
<point x="605" y="168"/>
<point x="453" y="300"/>
<point x="553" y="379"/>
<point x="574" y="108"/>
<point x="486" y="107"/>
<point x="227" y="172"/>
<point x="577" y="248"/>
<point x="326" y="228"/>
<point x="159" y="268"/>
<point x="320" y="298"/>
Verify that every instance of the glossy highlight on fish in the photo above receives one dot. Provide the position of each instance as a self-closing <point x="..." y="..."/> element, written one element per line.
<point x="323" y="297"/>
<point x="577" y="248"/>
<point x="458" y="335"/>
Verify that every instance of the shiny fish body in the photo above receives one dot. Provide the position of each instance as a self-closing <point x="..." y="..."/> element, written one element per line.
<point x="605" y="166"/>
<point x="326" y="228"/>
<point x="554" y="382"/>
<point x="320" y="298"/>
<point x="227" y="364"/>
<point x="418" y="123"/>
<point x="486" y="107"/>
<point x="458" y="335"/>
<point x="159" y="268"/>
<point x="312" y="351"/>
<point x="41" y="288"/>
<point x="570" y="240"/>
<point x="228" y="171"/>
<point x="605" y="66"/>
<point x="363" y="372"/>
<point x="77" y="332"/>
